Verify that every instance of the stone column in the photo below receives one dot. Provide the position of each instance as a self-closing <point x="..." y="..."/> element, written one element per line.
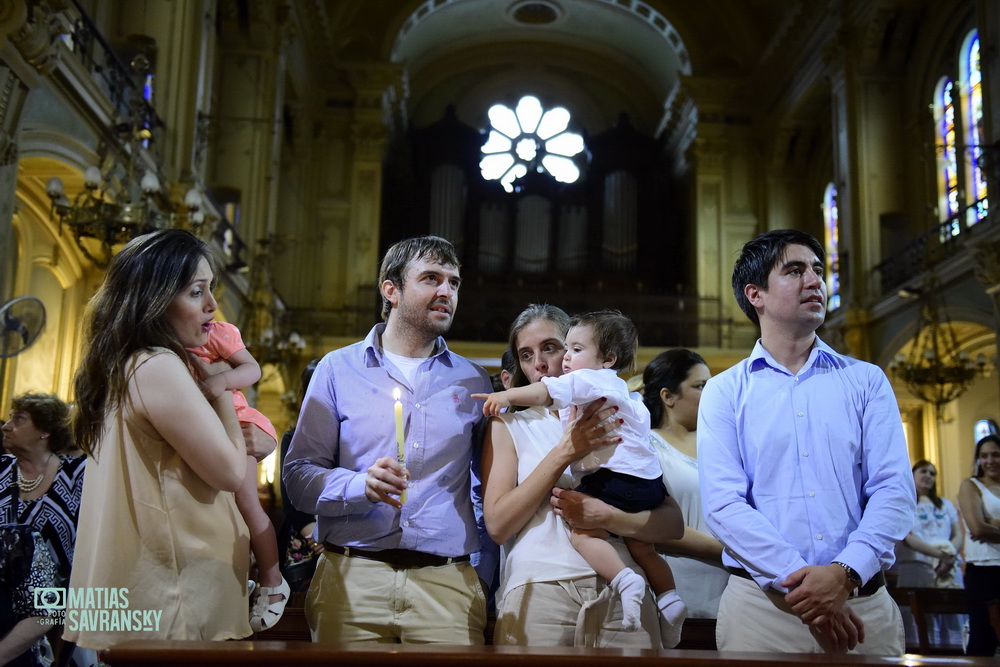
<point x="12" y="94"/>
<point x="725" y="219"/>
<point x="988" y="21"/>
<point x="986" y="264"/>
<point x="868" y="169"/>
<point x="372" y="85"/>
<point x="26" y="51"/>
<point x="245" y="124"/>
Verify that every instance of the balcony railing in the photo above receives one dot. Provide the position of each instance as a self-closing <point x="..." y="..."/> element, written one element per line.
<point x="932" y="247"/>
<point x="122" y="83"/>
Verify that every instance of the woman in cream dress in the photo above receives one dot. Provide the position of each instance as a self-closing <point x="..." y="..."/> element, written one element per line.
<point x="672" y="384"/>
<point x="161" y="552"/>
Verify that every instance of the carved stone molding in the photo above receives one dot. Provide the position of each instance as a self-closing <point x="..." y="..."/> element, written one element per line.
<point x="13" y="15"/>
<point x="8" y="150"/>
<point x="986" y="264"/>
<point x="8" y="84"/>
<point x="369" y="138"/>
<point x="856" y="332"/>
<point x="710" y="153"/>
<point x="35" y="37"/>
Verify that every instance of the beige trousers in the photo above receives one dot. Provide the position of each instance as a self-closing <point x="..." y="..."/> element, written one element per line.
<point x="580" y="612"/>
<point x="751" y="620"/>
<point x="357" y="600"/>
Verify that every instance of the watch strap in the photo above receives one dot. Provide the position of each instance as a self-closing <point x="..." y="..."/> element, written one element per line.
<point x="852" y="574"/>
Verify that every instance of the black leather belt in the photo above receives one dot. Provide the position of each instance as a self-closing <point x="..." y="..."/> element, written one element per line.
<point x="398" y="559"/>
<point x="875" y="583"/>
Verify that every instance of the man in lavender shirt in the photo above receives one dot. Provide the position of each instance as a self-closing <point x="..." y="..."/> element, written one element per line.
<point x="804" y="472"/>
<point x="397" y="572"/>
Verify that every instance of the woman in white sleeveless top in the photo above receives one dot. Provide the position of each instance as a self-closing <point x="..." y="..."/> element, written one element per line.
<point x="548" y="594"/>
<point x="979" y="498"/>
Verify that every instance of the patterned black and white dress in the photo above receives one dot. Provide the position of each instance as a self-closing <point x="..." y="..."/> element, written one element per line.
<point x="55" y="514"/>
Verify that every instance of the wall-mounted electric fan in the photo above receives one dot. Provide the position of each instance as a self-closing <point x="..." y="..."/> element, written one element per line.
<point x="21" y="323"/>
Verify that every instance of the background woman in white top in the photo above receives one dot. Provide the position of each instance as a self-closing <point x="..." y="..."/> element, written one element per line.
<point x="672" y="384"/>
<point x="979" y="498"/>
<point x="928" y="556"/>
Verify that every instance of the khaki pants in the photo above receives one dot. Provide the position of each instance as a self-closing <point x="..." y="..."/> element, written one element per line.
<point x="357" y="600"/>
<point x="751" y="620"/>
<point x="581" y="612"/>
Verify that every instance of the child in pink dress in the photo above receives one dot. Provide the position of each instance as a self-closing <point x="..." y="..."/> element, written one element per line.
<point x="226" y="344"/>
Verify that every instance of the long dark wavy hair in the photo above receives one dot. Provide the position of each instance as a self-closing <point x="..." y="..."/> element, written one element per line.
<point x="128" y="314"/>
<point x="977" y="469"/>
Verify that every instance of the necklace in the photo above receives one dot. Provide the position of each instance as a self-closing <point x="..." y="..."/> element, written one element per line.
<point x="29" y="485"/>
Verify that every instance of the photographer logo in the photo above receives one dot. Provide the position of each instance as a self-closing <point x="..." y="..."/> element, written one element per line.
<point x="94" y="610"/>
<point x="50" y="598"/>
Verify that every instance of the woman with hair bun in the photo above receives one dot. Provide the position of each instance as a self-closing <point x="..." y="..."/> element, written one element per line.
<point x="672" y="384"/>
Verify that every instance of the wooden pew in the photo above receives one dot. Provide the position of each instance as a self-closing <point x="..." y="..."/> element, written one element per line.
<point x="296" y="654"/>
<point x="698" y="634"/>
<point x="292" y="626"/>
<point x="924" y="602"/>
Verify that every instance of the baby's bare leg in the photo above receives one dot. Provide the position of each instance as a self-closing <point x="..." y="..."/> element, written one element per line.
<point x="263" y="540"/>
<point x="661" y="578"/>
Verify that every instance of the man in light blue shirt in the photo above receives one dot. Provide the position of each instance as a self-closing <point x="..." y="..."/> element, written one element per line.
<point x="397" y="571"/>
<point x="804" y="471"/>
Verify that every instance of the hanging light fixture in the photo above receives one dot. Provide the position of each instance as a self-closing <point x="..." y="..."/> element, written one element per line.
<point x="935" y="370"/>
<point x="114" y="219"/>
<point x="124" y="199"/>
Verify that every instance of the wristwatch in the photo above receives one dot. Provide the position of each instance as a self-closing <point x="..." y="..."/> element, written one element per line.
<point x="852" y="574"/>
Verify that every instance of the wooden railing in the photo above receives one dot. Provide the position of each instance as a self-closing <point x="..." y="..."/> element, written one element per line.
<point x="931" y="247"/>
<point x="276" y="654"/>
<point x="287" y="644"/>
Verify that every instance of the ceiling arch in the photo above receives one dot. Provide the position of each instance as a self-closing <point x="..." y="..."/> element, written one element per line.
<point x="629" y="55"/>
<point x="629" y="27"/>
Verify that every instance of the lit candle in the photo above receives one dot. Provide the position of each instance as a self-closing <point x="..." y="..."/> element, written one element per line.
<point x="397" y="410"/>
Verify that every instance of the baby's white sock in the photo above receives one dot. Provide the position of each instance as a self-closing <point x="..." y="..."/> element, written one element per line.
<point x="673" y="611"/>
<point x="631" y="588"/>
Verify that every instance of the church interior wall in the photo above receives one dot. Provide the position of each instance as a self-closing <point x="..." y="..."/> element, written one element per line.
<point x="305" y="141"/>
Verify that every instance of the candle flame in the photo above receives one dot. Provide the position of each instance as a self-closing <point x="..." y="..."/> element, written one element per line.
<point x="395" y="393"/>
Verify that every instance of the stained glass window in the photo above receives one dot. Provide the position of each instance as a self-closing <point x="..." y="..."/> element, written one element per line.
<point x="944" y="114"/>
<point x="983" y="428"/>
<point x="831" y="220"/>
<point x="529" y="137"/>
<point x="972" y="84"/>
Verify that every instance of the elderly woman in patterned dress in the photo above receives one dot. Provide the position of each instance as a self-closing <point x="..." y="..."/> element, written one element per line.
<point x="39" y="487"/>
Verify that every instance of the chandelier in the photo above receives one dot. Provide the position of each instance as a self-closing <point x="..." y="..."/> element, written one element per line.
<point x="123" y="197"/>
<point x="116" y="219"/>
<point x="935" y="370"/>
